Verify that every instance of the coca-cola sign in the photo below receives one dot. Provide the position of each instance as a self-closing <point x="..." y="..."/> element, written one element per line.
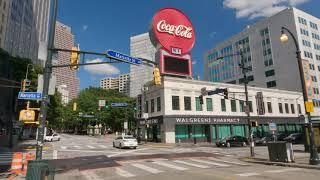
<point x="173" y="31"/>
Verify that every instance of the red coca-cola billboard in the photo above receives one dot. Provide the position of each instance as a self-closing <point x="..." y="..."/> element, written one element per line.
<point x="172" y="30"/>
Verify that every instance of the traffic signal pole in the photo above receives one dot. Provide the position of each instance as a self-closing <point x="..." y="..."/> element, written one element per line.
<point x="46" y="80"/>
<point x="244" y="72"/>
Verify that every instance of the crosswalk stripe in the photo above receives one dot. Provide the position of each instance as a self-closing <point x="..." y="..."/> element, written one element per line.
<point x="146" y="168"/>
<point x="63" y="147"/>
<point x="191" y="164"/>
<point x="123" y="173"/>
<point x="248" y="174"/>
<point x="90" y="175"/>
<point x="91" y="147"/>
<point x="282" y="170"/>
<point x="161" y="163"/>
<point x="78" y="147"/>
<point x="102" y="146"/>
<point x="210" y="162"/>
<point x="230" y="162"/>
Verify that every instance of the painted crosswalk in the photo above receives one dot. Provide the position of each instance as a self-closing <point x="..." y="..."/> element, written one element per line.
<point x="91" y="146"/>
<point x="156" y="166"/>
<point x="5" y="158"/>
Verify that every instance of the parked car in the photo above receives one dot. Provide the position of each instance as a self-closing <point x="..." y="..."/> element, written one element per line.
<point x="232" y="141"/>
<point x="294" y="138"/>
<point x="125" y="141"/>
<point x="53" y="137"/>
<point x="281" y="136"/>
<point x="264" y="140"/>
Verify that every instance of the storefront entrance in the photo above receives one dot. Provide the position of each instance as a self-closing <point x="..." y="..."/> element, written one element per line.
<point x="192" y="133"/>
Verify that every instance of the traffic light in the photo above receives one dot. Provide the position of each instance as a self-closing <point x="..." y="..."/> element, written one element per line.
<point x="254" y="123"/>
<point x="74" y="59"/>
<point x="201" y="99"/>
<point x="225" y="93"/>
<point x="156" y="76"/>
<point x="25" y="84"/>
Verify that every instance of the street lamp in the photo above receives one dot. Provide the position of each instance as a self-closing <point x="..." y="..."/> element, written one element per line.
<point x="314" y="158"/>
<point x="28" y="70"/>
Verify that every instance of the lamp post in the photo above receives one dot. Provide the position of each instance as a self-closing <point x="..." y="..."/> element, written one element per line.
<point x="28" y="70"/>
<point x="314" y="158"/>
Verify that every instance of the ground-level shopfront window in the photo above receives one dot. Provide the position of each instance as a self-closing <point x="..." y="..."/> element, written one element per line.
<point x="153" y="133"/>
<point x="198" y="131"/>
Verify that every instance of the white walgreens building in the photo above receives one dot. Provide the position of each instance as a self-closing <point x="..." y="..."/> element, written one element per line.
<point x="173" y="112"/>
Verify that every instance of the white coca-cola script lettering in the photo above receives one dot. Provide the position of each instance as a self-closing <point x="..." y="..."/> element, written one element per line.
<point x="180" y="30"/>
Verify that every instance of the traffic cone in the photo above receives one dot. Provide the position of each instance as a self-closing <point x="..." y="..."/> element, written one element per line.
<point x="16" y="164"/>
<point x="29" y="156"/>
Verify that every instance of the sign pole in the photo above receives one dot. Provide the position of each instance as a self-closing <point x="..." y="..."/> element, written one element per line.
<point x="46" y="79"/>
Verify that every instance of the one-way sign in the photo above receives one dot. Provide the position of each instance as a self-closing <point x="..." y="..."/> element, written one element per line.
<point x="30" y="95"/>
<point x="119" y="104"/>
<point x="123" y="57"/>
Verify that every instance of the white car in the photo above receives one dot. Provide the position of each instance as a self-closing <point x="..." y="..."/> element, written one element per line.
<point x="53" y="137"/>
<point x="125" y="141"/>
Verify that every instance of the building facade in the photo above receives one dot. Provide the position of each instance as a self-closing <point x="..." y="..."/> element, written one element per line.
<point x="64" y="39"/>
<point x="141" y="47"/>
<point x="27" y="29"/>
<point x="120" y="83"/>
<point x="173" y="113"/>
<point x="4" y="7"/>
<point x="274" y="64"/>
<point x="63" y="90"/>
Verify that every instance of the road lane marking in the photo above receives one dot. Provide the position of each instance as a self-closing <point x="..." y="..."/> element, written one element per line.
<point x="55" y="154"/>
<point x="191" y="164"/>
<point x="90" y="175"/>
<point x="248" y="174"/>
<point x="282" y="170"/>
<point x="123" y="173"/>
<point x="146" y="168"/>
<point x="102" y="146"/>
<point x="230" y="162"/>
<point x="162" y="163"/>
<point x="78" y="147"/>
<point x="91" y="147"/>
<point x="127" y="152"/>
<point x="210" y="162"/>
<point x="63" y="147"/>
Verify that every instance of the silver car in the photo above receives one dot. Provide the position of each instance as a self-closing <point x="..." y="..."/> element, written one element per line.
<point x="125" y="141"/>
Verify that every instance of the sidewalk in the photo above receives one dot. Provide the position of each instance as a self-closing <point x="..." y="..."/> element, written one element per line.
<point x="167" y="145"/>
<point x="301" y="161"/>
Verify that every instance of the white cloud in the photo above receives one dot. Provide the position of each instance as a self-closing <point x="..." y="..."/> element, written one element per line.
<point x="194" y="62"/>
<point x="85" y="27"/>
<point x="101" y="69"/>
<point x="259" y="8"/>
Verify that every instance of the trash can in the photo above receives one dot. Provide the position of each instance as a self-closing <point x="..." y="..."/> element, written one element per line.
<point x="39" y="170"/>
<point x="280" y="151"/>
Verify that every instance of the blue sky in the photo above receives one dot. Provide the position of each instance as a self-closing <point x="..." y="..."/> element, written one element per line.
<point x="99" y="25"/>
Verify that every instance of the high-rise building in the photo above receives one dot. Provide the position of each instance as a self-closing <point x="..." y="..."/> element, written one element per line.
<point x="4" y="6"/>
<point x="26" y="28"/>
<point x="141" y="47"/>
<point x="274" y="64"/>
<point x="63" y="90"/>
<point x="64" y="39"/>
<point x="120" y="83"/>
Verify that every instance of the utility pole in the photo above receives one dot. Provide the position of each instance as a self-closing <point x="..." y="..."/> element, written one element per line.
<point x="46" y="79"/>
<point x="244" y="72"/>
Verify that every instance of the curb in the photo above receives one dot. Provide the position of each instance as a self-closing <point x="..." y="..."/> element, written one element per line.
<point x="250" y="160"/>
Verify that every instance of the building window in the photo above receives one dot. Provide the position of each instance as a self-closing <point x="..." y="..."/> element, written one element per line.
<point x="271" y="84"/>
<point x="233" y="106"/>
<point x="209" y="104"/>
<point x="269" y="107"/>
<point x="280" y="108"/>
<point x="269" y="73"/>
<point x="286" y="106"/>
<point x="299" y="109"/>
<point x="198" y="105"/>
<point x="175" y="103"/>
<point x="250" y="106"/>
<point x="187" y="103"/>
<point x="152" y="105"/>
<point x="158" y="104"/>
<point x="223" y="105"/>
<point x="146" y="107"/>
<point x="241" y="102"/>
<point x="292" y="109"/>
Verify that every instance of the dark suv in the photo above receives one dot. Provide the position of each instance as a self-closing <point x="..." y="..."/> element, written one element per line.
<point x="232" y="141"/>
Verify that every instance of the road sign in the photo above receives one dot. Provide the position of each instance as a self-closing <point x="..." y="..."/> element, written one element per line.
<point x="102" y="103"/>
<point x="272" y="126"/>
<point x="52" y="84"/>
<point x="30" y="95"/>
<point x="119" y="104"/>
<point x="123" y="57"/>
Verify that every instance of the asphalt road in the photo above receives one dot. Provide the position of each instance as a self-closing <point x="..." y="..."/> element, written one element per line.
<point x="94" y="158"/>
